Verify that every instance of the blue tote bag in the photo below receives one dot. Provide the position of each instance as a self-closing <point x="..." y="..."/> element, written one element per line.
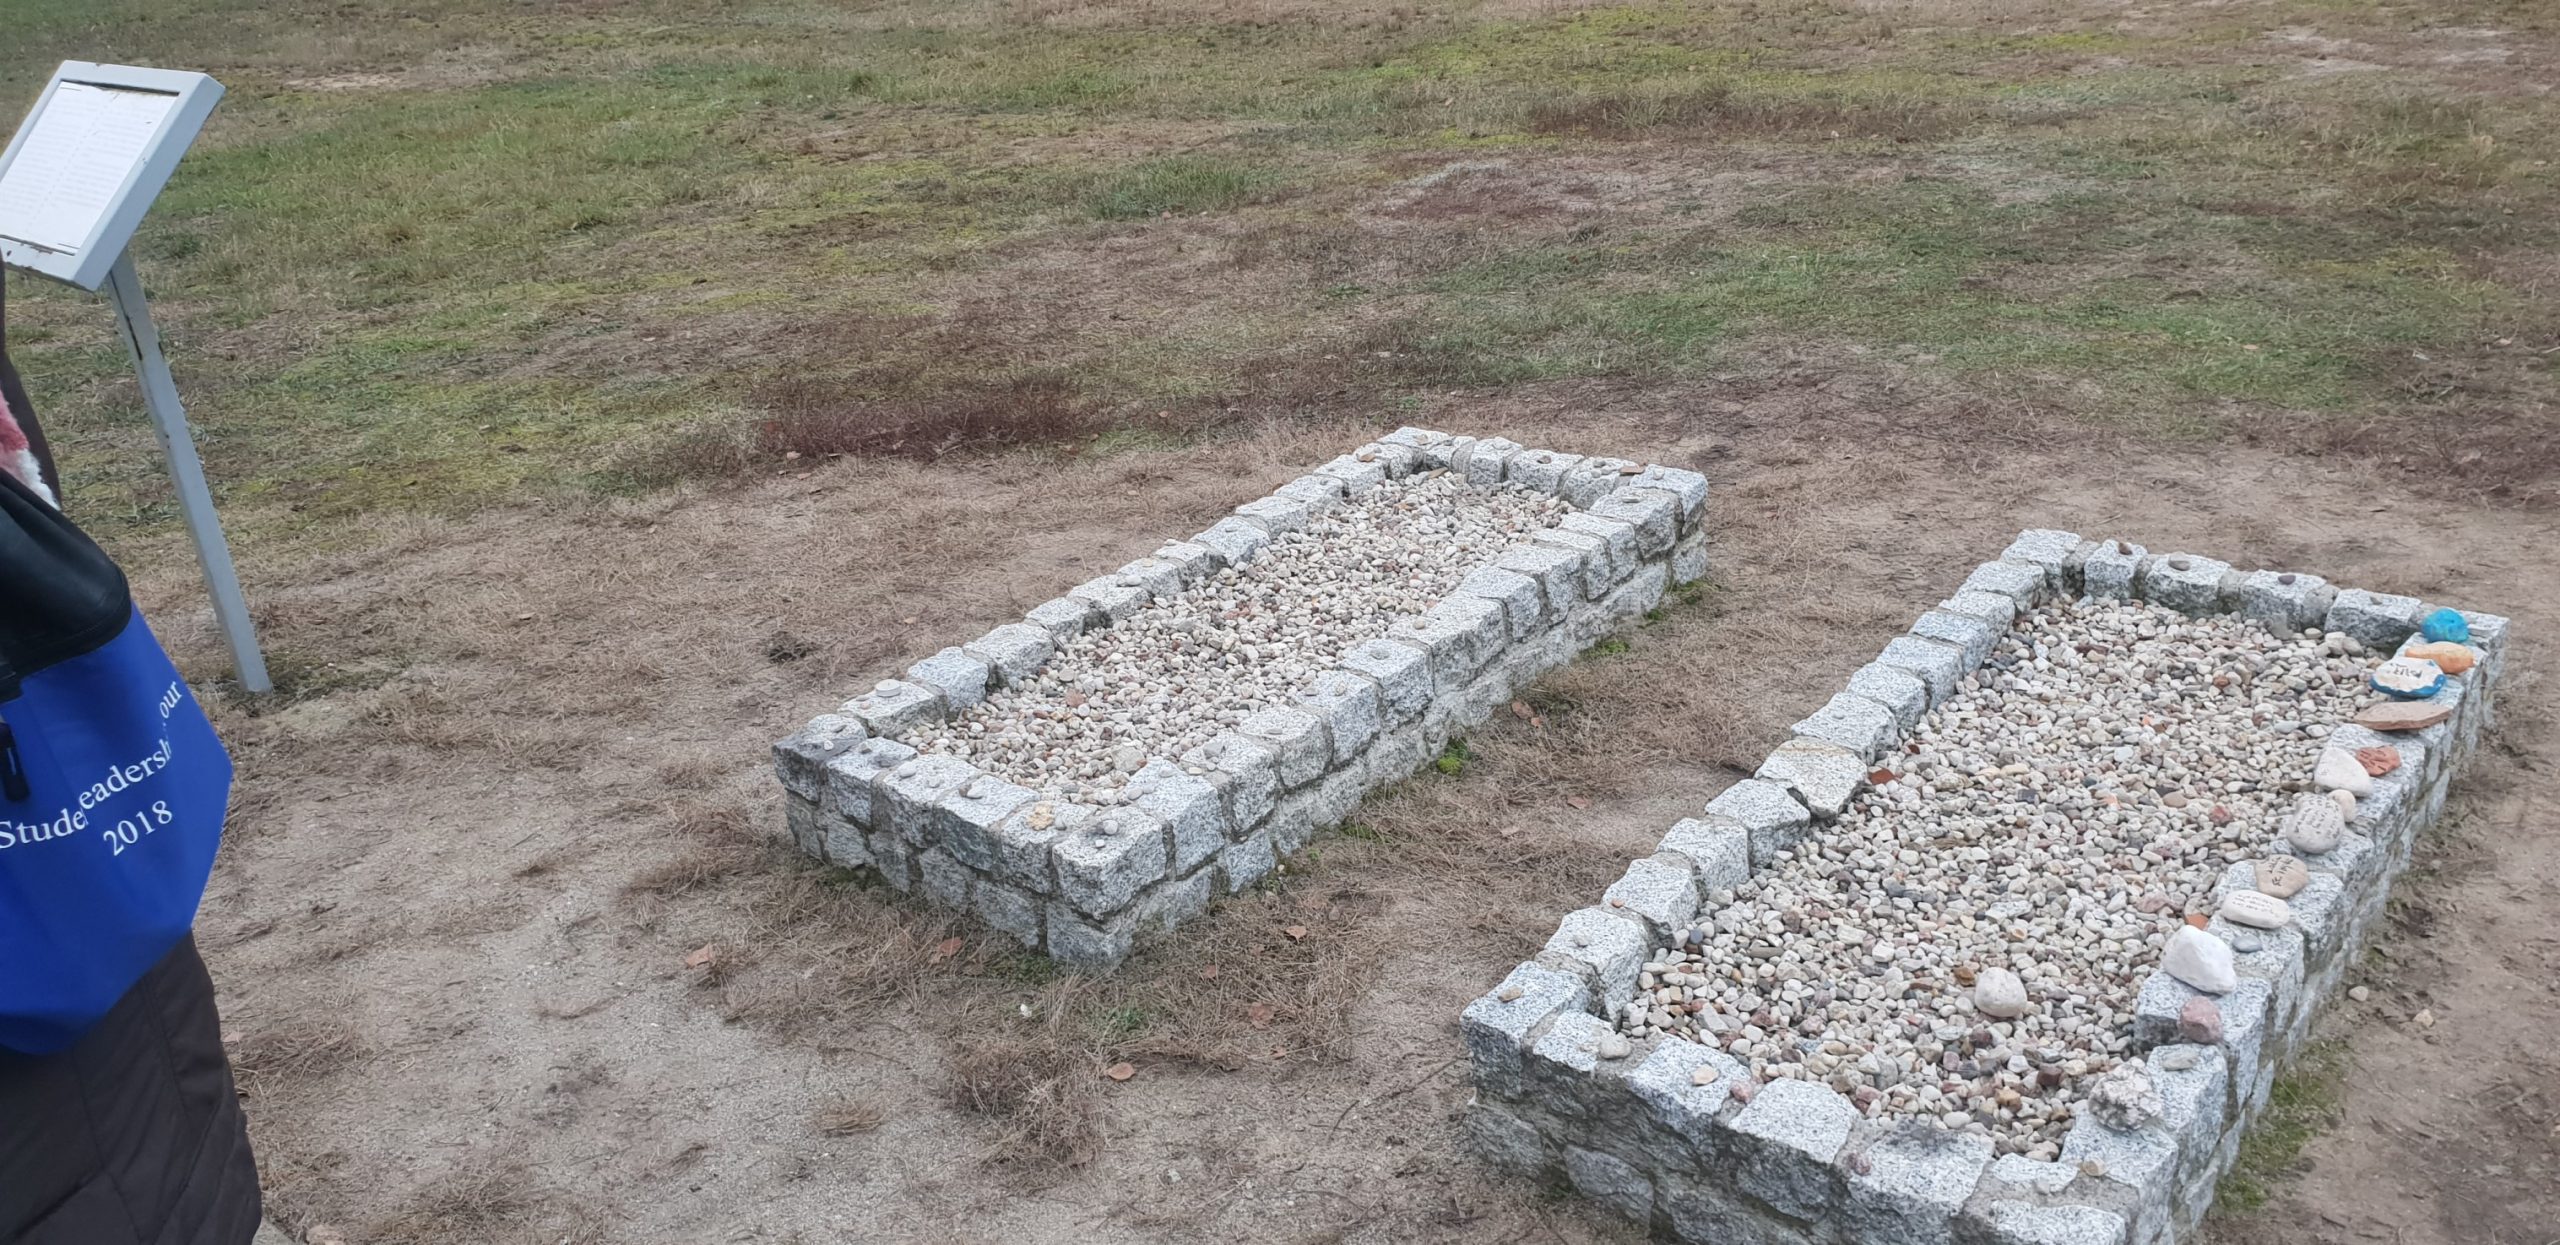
<point x="112" y="784"/>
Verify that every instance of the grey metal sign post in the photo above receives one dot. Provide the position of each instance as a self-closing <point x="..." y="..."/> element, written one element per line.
<point x="75" y="182"/>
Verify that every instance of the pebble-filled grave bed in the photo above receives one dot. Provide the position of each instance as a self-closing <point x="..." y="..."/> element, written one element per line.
<point x="1966" y="942"/>
<point x="1173" y="730"/>
<point x="2008" y="942"/>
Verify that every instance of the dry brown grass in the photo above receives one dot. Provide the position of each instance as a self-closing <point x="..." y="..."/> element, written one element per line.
<point x="494" y="1201"/>
<point x="713" y="841"/>
<point x="1040" y="1089"/>
<point x="848" y="1118"/>
<point x="1718" y="111"/>
<point x="295" y="1052"/>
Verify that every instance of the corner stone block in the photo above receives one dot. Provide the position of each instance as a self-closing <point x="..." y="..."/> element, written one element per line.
<point x="1016" y="651"/>
<point x="1357" y="477"/>
<point x="1348" y="704"/>
<point x="1103" y="865"/>
<point x="2048" y="550"/>
<point x="1611" y="1182"/>
<point x="2195" y="1086"/>
<point x="1317" y="493"/>
<point x="1975" y="636"/>
<point x="1654" y="514"/>
<point x="1245" y="773"/>
<point x="801" y="760"/>
<point x="1853" y="722"/>
<point x="1187" y="805"/>
<point x="1497" y="1027"/>
<point x="1460" y="633"/>
<point x="2021" y="582"/>
<point x="905" y="801"/>
<point x="1606" y="948"/>
<point x="960" y="679"/>
<point x="1196" y="563"/>
<point x="1504" y="1141"/>
<point x="1063" y="618"/>
<point x="2185" y="582"/>
<point x="806" y="823"/>
<point x="1990" y="607"/>
<point x="2143" y="1161"/>
<point x="1767" y="812"/>
<point x="966" y="820"/>
<point x="2283" y="599"/>
<point x="1667" y="1083"/>
<point x="1171" y="902"/>
<point x="1688" y="486"/>
<point x="1296" y="739"/>
<point x="2025" y="1223"/>
<point x="1246" y="861"/>
<point x="1823" y="775"/>
<point x="1558" y="572"/>
<point x="1618" y="536"/>
<point x="1278" y="515"/>
<point x="1080" y="942"/>
<point x="1662" y="892"/>
<point x="1540" y="470"/>
<point x="1013" y="912"/>
<point x="1117" y="597"/>
<point x="1523" y="604"/>
<point x="2377" y="620"/>
<point x="1595" y="478"/>
<point x="850" y="778"/>
<point x="1903" y="694"/>
<point x="1399" y="460"/>
<point x="944" y="880"/>
<point x="1787" y="1137"/>
<point x="1591" y="568"/>
<point x="1938" y="664"/>
<point x="1233" y="539"/>
<point x="2113" y="570"/>
<point x="1022" y="843"/>
<point x="1484" y="462"/>
<point x="893" y="708"/>
<point x="1431" y="447"/>
<point x="1718" y="852"/>
<point x="1916" y="1181"/>
<point x="1160" y="579"/>
<point x="1401" y="671"/>
<point x="1689" y="559"/>
<point x="1556" y="1070"/>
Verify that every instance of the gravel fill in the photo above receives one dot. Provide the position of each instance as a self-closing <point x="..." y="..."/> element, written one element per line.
<point x="2059" y="817"/>
<point x="1184" y="668"/>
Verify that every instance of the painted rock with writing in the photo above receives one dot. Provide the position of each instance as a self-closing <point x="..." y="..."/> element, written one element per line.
<point x="2280" y="876"/>
<point x="2201" y="960"/>
<point x="2315" y="825"/>
<point x="2412" y="715"/>
<point x="2256" y="909"/>
<point x="2446" y="625"/>
<point x="2339" y="770"/>
<point x="2408" y="678"/>
<point x="2378" y="761"/>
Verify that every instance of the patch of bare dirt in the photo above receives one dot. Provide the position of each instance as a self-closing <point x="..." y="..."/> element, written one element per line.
<point x="510" y="950"/>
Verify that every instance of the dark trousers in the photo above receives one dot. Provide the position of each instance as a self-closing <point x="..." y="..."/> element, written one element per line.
<point x="133" y="1136"/>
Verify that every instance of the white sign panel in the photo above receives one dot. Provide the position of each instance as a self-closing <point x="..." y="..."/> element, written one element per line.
<point x="91" y="156"/>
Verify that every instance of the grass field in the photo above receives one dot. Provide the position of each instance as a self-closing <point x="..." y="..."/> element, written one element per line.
<point x="452" y="254"/>
<point x="596" y="388"/>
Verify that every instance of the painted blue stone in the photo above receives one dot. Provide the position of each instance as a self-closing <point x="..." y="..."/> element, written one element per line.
<point x="2446" y="626"/>
<point x="2417" y="691"/>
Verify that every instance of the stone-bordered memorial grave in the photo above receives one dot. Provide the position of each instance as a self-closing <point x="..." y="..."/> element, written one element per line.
<point x="1167" y="732"/>
<point x="2007" y="943"/>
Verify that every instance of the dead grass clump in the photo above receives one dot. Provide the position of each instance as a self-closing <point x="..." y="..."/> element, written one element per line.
<point x="816" y="418"/>
<point x="1275" y="976"/>
<point x="295" y="1052"/>
<point x="489" y="1203"/>
<point x="1718" y="110"/>
<point x="847" y="1118"/>
<point x="851" y="952"/>
<point x="1043" y="1093"/>
<point x="715" y="841"/>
